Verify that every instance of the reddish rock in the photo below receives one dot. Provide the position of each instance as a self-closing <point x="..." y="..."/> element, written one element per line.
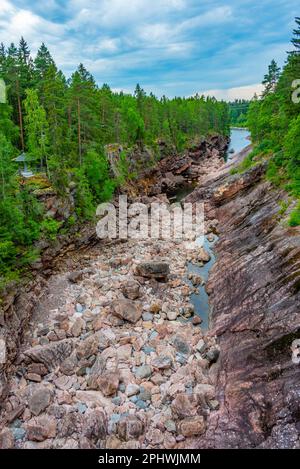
<point x="41" y="428"/>
<point x="192" y="427"/>
<point x="108" y="383"/>
<point x="127" y="310"/>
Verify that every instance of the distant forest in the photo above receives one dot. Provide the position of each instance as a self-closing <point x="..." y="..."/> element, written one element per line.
<point x="63" y="125"/>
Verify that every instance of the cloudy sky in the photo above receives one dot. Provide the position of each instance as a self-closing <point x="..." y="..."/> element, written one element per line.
<point x="171" y="47"/>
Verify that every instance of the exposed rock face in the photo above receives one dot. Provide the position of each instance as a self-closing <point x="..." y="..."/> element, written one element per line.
<point x="255" y="298"/>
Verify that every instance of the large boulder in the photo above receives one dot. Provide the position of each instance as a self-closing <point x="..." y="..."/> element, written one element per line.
<point x="127" y="310"/>
<point x="51" y="355"/>
<point x="155" y="269"/>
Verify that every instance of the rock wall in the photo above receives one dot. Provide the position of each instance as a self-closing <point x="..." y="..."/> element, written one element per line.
<point x="255" y="296"/>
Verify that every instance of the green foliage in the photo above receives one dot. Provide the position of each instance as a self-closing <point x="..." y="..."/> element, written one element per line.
<point x="49" y="228"/>
<point x="63" y="126"/>
<point x="274" y="122"/>
<point x="238" y="112"/>
<point x="295" y="216"/>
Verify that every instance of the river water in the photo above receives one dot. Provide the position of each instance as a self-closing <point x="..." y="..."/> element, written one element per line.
<point x="239" y="139"/>
<point x="200" y="299"/>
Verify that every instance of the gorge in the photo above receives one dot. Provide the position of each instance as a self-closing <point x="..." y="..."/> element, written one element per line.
<point x="99" y="354"/>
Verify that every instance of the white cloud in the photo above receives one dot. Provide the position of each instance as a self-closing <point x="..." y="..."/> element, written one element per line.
<point x="241" y="92"/>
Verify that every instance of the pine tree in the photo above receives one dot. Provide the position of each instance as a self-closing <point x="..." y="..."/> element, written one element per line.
<point x="37" y="129"/>
<point x="42" y="62"/>
<point x="271" y="78"/>
<point x="84" y="122"/>
<point x="296" y="38"/>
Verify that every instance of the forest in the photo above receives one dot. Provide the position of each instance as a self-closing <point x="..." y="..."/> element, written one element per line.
<point x="63" y="124"/>
<point x="274" y="122"/>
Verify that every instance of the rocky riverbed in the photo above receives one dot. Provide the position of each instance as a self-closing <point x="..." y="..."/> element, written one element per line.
<point x="113" y="356"/>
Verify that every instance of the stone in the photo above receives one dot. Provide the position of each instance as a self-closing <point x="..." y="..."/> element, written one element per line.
<point x="131" y="289"/>
<point x="147" y="317"/>
<point x="172" y="315"/>
<point x="184" y="405"/>
<point x="129" y="427"/>
<point x="203" y="255"/>
<point x="77" y="327"/>
<point x="93" y="399"/>
<point x="65" y="383"/>
<point x="34" y="377"/>
<point x="192" y="427"/>
<point x="155" y="436"/>
<point x="157" y="270"/>
<point x="127" y="310"/>
<point x="132" y="389"/>
<point x="51" y="355"/>
<point x="79" y="308"/>
<point x="213" y="355"/>
<point x="162" y="362"/>
<point x="6" y="439"/>
<point x="87" y="347"/>
<point x="39" y="400"/>
<point x="37" y="368"/>
<point x="124" y="352"/>
<point x="18" y="433"/>
<point x="95" y="425"/>
<point x="143" y="371"/>
<point x="170" y="426"/>
<point x="108" y="383"/>
<point x="141" y="404"/>
<point x="69" y="365"/>
<point x="196" y="320"/>
<point x="205" y="391"/>
<point x="181" y="345"/>
<point x="201" y="346"/>
<point x="75" y="277"/>
<point x="40" y="428"/>
<point x="2" y="351"/>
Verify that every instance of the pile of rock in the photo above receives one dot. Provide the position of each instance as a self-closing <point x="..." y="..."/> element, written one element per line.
<point x="118" y="365"/>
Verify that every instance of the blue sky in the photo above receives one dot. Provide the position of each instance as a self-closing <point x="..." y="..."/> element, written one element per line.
<point x="171" y="47"/>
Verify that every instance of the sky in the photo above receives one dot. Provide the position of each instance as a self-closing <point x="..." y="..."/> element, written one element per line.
<point x="170" y="47"/>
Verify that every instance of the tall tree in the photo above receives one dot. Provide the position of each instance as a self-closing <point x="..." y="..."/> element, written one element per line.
<point x="271" y="78"/>
<point x="37" y="129"/>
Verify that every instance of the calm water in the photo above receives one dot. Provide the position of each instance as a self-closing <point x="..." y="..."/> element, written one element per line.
<point x="239" y="140"/>
<point x="200" y="300"/>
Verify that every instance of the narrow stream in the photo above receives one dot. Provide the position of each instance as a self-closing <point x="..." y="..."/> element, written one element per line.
<point x="200" y="300"/>
<point x="239" y="139"/>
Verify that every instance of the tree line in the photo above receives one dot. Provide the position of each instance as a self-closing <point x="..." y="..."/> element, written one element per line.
<point x="63" y="125"/>
<point x="274" y="122"/>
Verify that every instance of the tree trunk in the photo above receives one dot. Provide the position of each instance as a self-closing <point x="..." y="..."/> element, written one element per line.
<point x="79" y="132"/>
<point x="20" y="116"/>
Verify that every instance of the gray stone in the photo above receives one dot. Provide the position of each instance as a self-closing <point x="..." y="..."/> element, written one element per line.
<point x="39" y="400"/>
<point x="143" y="371"/>
<point x="147" y="317"/>
<point x="156" y="270"/>
<point x="141" y="404"/>
<point x="18" y="433"/>
<point x="170" y="426"/>
<point x="162" y="362"/>
<point x="132" y="389"/>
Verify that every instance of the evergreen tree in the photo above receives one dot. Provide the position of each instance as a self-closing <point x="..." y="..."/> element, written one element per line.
<point x="271" y="78"/>
<point x="37" y="129"/>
